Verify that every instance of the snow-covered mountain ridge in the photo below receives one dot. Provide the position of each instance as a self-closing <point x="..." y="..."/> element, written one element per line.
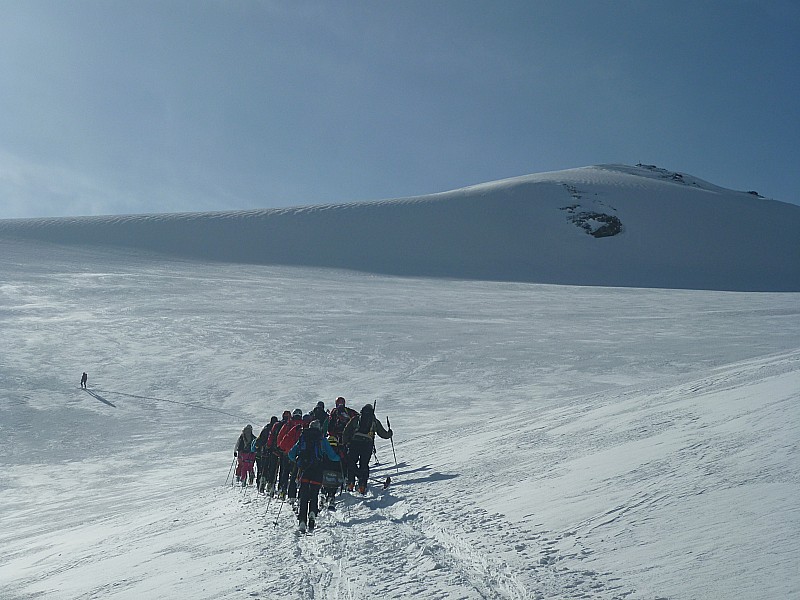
<point x="607" y="225"/>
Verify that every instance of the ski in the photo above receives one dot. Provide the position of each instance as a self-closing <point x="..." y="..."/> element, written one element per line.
<point x="385" y="483"/>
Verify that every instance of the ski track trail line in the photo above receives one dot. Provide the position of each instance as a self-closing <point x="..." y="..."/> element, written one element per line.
<point x="392" y="545"/>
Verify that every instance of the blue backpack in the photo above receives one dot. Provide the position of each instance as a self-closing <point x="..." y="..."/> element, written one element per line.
<point x="310" y="451"/>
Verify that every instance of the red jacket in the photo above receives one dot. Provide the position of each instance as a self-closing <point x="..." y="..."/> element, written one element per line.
<point x="289" y="434"/>
<point x="274" y="433"/>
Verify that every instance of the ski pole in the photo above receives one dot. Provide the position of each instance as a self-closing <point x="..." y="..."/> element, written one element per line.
<point x="280" y="508"/>
<point x="230" y="471"/>
<point x="374" y="452"/>
<point x="391" y="439"/>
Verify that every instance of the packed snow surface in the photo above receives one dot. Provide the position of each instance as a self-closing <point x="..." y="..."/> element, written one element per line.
<point x="552" y="441"/>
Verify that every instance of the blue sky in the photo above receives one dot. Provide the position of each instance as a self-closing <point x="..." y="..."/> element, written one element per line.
<point x="117" y="107"/>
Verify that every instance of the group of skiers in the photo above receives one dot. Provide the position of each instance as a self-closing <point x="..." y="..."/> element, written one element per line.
<point x="301" y="454"/>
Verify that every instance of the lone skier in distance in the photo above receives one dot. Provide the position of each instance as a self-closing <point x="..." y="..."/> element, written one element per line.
<point x="84" y="378"/>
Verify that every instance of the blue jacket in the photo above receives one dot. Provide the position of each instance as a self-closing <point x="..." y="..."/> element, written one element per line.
<point x="326" y="449"/>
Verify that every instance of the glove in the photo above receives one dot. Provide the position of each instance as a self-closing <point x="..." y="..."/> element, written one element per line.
<point x="235" y="453"/>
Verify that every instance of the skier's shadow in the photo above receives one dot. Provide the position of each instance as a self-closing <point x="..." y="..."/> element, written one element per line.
<point x="434" y="476"/>
<point x="99" y="397"/>
<point x="431" y="476"/>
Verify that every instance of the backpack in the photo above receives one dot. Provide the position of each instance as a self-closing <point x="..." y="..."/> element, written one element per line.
<point x="244" y="446"/>
<point x="365" y="423"/>
<point x="272" y="440"/>
<point x="261" y="441"/>
<point x="288" y="437"/>
<point x="332" y="479"/>
<point x="309" y="453"/>
<point x="338" y="420"/>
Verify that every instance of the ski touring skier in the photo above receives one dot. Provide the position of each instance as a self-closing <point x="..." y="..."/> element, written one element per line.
<point x="320" y="414"/>
<point x="308" y="454"/>
<point x="274" y="453"/>
<point x="339" y="418"/>
<point x="245" y="452"/>
<point x="359" y="435"/>
<point x="287" y="438"/>
<point x="262" y="454"/>
<point x="332" y="475"/>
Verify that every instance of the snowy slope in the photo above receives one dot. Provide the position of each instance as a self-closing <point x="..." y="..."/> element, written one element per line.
<point x="671" y="230"/>
<point x="553" y="441"/>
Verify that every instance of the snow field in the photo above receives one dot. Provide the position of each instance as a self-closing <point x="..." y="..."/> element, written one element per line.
<point x="553" y="442"/>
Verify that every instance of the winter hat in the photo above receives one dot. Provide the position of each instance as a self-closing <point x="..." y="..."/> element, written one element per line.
<point x="248" y="427"/>
<point x="297" y="413"/>
<point x="316" y="425"/>
<point x="287" y="415"/>
<point x="321" y="405"/>
<point x="274" y="419"/>
<point x="340" y="401"/>
<point x="307" y="418"/>
<point x="367" y="408"/>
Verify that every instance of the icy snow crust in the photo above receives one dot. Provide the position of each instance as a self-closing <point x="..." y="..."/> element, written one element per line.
<point x="553" y="441"/>
<point x="677" y="232"/>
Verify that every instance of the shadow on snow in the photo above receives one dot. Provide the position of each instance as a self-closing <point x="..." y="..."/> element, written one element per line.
<point x="188" y="404"/>
<point x="397" y="474"/>
<point x="99" y="397"/>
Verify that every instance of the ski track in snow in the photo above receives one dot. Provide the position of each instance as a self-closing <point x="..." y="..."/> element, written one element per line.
<point x="396" y="547"/>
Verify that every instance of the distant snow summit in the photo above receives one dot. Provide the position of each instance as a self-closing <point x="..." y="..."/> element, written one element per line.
<point x="607" y="225"/>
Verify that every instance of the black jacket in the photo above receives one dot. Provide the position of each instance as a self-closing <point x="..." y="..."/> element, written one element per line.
<point x="245" y="442"/>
